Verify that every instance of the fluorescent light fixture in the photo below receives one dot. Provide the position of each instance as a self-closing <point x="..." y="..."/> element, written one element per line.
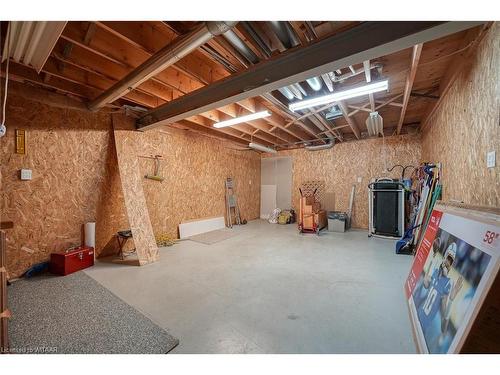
<point x="239" y="120"/>
<point x="340" y="95"/>
<point x="262" y="148"/>
<point x="375" y="124"/>
<point x="31" y="42"/>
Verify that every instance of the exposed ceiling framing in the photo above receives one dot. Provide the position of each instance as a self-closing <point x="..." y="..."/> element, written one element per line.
<point x="238" y="73"/>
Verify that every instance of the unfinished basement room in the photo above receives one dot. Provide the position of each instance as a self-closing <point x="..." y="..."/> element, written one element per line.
<point x="250" y="187"/>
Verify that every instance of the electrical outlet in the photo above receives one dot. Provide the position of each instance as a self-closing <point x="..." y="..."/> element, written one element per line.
<point x="490" y="159"/>
<point x="25" y="174"/>
<point x="359" y="179"/>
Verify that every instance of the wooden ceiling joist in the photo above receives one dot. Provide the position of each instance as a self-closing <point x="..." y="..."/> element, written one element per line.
<point x="152" y="36"/>
<point x="211" y="132"/>
<point x="276" y="121"/>
<point x="119" y="51"/>
<point x="88" y="79"/>
<point x="234" y="110"/>
<point x="415" y="58"/>
<point x="350" y="119"/>
<point x="161" y="60"/>
<point x="366" y="41"/>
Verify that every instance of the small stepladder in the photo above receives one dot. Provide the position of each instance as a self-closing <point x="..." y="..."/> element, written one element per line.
<point x="231" y="204"/>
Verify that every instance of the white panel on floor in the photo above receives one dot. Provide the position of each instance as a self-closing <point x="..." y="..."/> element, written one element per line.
<point x="193" y="227"/>
<point x="267" y="200"/>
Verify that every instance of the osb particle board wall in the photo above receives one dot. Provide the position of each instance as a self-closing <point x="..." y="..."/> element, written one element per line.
<point x="466" y="126"/>
<point x="66" y="152"/>
<point x="75" y="180"/>
<point x="195" y="169"/>
<point x="341" y="165"/>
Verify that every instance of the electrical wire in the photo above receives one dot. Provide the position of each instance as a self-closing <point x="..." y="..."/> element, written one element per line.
<point x="4" y="106"/>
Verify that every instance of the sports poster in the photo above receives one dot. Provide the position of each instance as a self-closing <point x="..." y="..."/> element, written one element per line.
<point x="454" y="267"/>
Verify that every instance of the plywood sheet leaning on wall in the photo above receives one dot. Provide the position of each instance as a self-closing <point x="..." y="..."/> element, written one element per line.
<point x="111" y="214"/>
<point x="126" y="143"/>
<point x="194" y="168"/>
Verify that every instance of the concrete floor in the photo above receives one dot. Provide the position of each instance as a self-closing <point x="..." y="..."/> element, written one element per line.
<point x="272" y="290"/>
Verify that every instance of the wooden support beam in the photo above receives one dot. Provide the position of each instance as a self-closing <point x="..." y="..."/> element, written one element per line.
<point x="212" y="132"/>
<point x="415" y="58"/>
<point x="388" y="101"/>
<point x="243" y="131"/>
<point x="279" y="122"/>
<point x="468" y="46"/>
<point x="358" y="108"/>
<point x="235" y="110"/>
<point x="350" y="120"/>
<point x="90" y="33"/>
<point x="392" y="104"/>
<point x="325" y="123"/>
<point x="368" y="76"/>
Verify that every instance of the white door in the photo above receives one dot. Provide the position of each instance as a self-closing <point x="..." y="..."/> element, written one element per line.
<point x="276" y="188"/>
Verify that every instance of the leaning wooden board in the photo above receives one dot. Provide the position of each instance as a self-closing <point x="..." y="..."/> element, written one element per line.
<point x="453" y="286"/>
<point x="133" y="193"/>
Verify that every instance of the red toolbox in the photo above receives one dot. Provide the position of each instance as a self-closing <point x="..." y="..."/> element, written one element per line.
<point x="70" y="261"/>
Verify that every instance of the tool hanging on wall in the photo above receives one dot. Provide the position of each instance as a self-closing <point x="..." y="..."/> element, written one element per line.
<point x="231" y="204"/>
<point x="156" y="173"/>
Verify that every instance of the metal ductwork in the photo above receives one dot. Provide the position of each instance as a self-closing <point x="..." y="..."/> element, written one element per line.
<point x="240" y="46"/>
<point x="285" y="33"/>
<point x="287" y="93"/>
<point x="289" y="39"/>
<point x="256" y="37"/>
<point x="329" y="144"/>
<point x="259" y="147"/>
<point x="314" y="83"/>
<point x="296" y="90"/>
<point x="161" y="60"/>
<point x="343" y="77"/>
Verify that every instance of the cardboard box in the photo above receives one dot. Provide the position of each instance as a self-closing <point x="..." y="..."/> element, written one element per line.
<point x="308" y="222"/>
<point x="308" y="200"/>
<point x="309" y="205"/>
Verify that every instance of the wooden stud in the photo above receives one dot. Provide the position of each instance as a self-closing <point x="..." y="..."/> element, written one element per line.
<point x="415" y="57"/>
<point x="350" y="120"/>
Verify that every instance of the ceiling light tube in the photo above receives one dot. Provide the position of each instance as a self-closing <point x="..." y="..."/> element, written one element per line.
<point x="340" y="95"/>
<point x="239" y="120"/>
<point x="259" y="147"/>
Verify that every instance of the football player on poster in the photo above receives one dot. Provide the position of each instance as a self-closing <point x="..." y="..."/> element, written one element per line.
<point x="438" y="292"/>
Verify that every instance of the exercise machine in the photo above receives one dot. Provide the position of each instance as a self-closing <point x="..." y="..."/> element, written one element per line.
<point x="386" y="208"/>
